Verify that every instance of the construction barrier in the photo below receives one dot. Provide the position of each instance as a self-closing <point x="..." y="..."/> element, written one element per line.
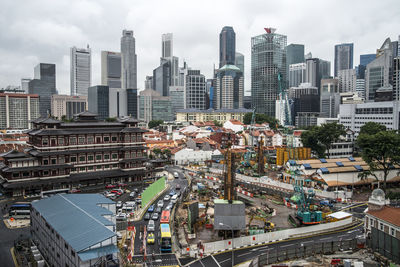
<point x="244" y="192"/>
<point x="153" y="190"/>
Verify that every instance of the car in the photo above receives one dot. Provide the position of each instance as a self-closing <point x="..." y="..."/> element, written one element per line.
<point x="132" y="195"/>
<point x="167" y="198"/>
<point x="154" y="216"/>
<point x="117" y="192"/>
<point x="176" y="175"/>
<point x="136" y="190"/>
<point x="158" y="210"/>
<point x="169" y="206"/>
<point x="160" y="203"/>
<point x="75" y="190"/>
<point x="150" y="238"/>
<point x="147" y="216"/>
<point x="174" y="198"/>
<point x="119" y="235"/>
<point x="109" y="195"/>
<point x="171" y="193"/>
<point x="122" y="185"/>
<point x="109" y="186"/>
<point x="151" y="226"/>
<point x="151" y="208"/>
<point x="119" y="204"/>
<point x="178" y="187"/>
<point x="121" y="217"/>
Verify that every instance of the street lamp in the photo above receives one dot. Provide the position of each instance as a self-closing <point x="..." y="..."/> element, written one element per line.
<point x="222" y="224"/>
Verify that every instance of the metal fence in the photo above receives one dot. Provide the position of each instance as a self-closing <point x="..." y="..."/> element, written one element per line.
<point x="274" y="255"/>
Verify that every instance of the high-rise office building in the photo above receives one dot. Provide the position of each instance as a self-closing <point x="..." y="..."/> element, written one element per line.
<point x="177" y="96"/>
<point x="167" y="54"/>
<point x="227" y="46"/>
<point x="305" y="98"/>
<point x="66" y="106"/>
<point x="162" y="77"/>
<point x="396" y="78"/>
<point x="153" y="106"/>
<point x="268" y="70"/>
<point x="81" y="76"/>
<point x="239" y="61"/>
<point x="18" y="110"/>
<point x="128" y="60"/>
<point x="360" y="88"/>
<point x="148" y="83"/>
<point x="98" y="101"/>
<point x="44" y="84"/>
<point x="317" y="69"/>
<point x="330" y="98"/>
<point x="366" y="59"/>
<point x="347" y="80"/>
<point x="132" y="98"/>
<point x="195" y="90"/>
<point x="379" y="72"/>
<point x="118" y="103"/>
<point x="297" y="74"/>
<point x="25" y="84"/>
<point x="343" y="57"/>
<point x="294" y="55"/>
<point x="229" y="89"/>
<point x="111" y="69"/>
<point x="166" y="45"/>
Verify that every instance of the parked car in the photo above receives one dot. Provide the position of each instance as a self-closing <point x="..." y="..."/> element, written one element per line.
<point x="151" y="208"/>
<point x="160" y="203"/>
<point x="176" y="175"/>
<point x="178" y="187"/>
<point x="121" y="217"/>
<point x="119" y="204"/>
<point x="174" y="198"/>
<point x="169" y="206"/>
<point x="122" y="185"/>
<point x="151" y="226"/>
<point x="150" y="238"/>
<point x="75" y="190"/>
<point x="132" y="195"/>
<point x="147" y="216"/>
<point x="171" y="193"/>
<point x="154" y="216"/>
<point x="167" y="198"/>
<point x="117" y="192"/>
<point x="109" y="186"/>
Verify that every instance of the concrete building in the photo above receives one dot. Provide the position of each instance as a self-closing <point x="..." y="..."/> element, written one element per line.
<point x="347" y="80"/>
<point x="111" y="69"/>
<point x="25" y="85"/>
<point x="128" y="60"/>
<point x="190" y="156"/>
<point x="360" y="88"/>
<point x="171" y="78"/>
<point x="268" y="61"/>
<point x="378" y="72"/>
<point x="234" y="125"/>
<point x="297" y="74"/>
<point x="396" y="78"/>
<point x="75" y="230"/>
<point x="98" y="101"/>
<point x="153" y="106"/>
<point x="230" y="88"/>
<point x="44" y="85"/>
<point x="81" y="70"/>
<point x="178" y="98"/>
<point x="162" y="77"/>
<point x="343" y="57"/>
<point x="317" y="69"/>
<point x="195" y="90"/>
<point x="294" y="55"/>
<point x="227" y="46"/>
<point x="306" y="119"/>
<point x="305" y="99"/>
<point x="221" y="116"/>
<point x="354" y="116"/>
<point x="65" y="106"/>
<point x="148" y="83"/>
<point x="17" y="110"/>
<point x="330" y="98"/>
<point x="118" y="103"/>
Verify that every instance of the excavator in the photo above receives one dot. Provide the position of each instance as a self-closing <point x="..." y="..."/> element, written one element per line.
<point x="268" y="225"/>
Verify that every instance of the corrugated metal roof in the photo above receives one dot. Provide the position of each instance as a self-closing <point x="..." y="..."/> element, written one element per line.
<point x="97" y="252"/>
<point x="77" y="218"/>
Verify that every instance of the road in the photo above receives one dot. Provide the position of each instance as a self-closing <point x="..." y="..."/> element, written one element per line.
<point x="155" y="248"/>
<point x="224" y="259"/>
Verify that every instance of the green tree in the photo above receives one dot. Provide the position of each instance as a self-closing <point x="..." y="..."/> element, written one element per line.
<point x="261" y="118"/>
<point x="157" y="151"/>
<point x="372" y="128"/>
<point x="155" y="123"/>
<point x="111" y="119"/>
<point x="310" y="139"/>
<point x="167" y="154"/>
<point x="381" y="151"/>
<point x="216" y="123"/>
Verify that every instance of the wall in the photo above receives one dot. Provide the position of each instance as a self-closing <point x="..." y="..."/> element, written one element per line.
<point x="153" y="190"/>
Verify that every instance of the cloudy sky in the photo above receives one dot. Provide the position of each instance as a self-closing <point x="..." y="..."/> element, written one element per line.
<point x="33" y="31"/>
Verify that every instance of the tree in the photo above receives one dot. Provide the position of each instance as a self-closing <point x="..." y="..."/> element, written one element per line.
<point x="155" y="123"/>
<point x="320" y="138"/>
<point x="156" y="151"/>
<point x="261" y="118"/>
<point x="372" y="128"/>
<point x="381" y="151"/>
<point x="167" y="153"/>
<point x="111" y="119"/>
<point x="216" y="123"/>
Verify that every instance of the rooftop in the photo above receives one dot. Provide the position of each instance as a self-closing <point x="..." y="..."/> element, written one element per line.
<point x="388" y="214"/>
<point x="192" y="110"/>
<point x="78" y="218"/>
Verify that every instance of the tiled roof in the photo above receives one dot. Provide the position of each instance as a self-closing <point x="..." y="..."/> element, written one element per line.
<point x="159" y="141"/>
<point x="388" y="214"/>
<point x="236" y="122"/>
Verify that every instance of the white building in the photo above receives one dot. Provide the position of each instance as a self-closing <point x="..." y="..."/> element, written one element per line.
<point x="347" y="80"/>
<point x="75" y="230"/>
<point x="297" y="74"/>
<point x="354" y="116"/>
<point x="81" y="77"/>
<point x="234" y="125"/>
<point x="65" y="105"/>
<point x="360" y="87"/>
<point x="17" y="110"/>
<point x="189" y="156"/>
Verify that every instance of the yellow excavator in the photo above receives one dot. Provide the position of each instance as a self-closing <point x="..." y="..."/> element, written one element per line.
<point x="268" y="225"/>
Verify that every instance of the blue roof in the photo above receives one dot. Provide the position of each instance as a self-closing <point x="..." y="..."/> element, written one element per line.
<point x="358" y="168"/>
<point x="97" y="252"/>
<point x="307" y="166"/>
<point x="323" y="160"/>
<point x="77" y="218"/>
<point x="339" y="163"/>
<point x="351" y="159"/>
<point x="292" y="162"/>
<point x="324" y="170"/>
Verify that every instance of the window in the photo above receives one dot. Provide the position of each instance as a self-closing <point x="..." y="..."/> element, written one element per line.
<point x="58" y="255"/>
<point x="82" y="158"/>
<point x="106" y="139"/>
<point x="81" y="140"/>
<point x="90" y="140"/>
<point x="73" y="159"/>
<point x="82" y="169"/>
<point x="114" y="156"/>
<point x="90" y="158"/>
<point x="127" y="138"/>
<point x="90" y="168"/>
<point x="15" y="174"/>
<point x="72" y="253"/>
<point x="115" y="165"/>
<point x="133" y="138"/>
<point x="114" y="139"/>
<point x="45" y="141"/>
<point x="381" y="226"/>
<point x="72" y="140"/>
<point x="45" y="173"/>
<point x="98" y="167"/>
<point x="98" y="139"/>
<point x="106" y="156"/>
<point x="61" y="160"/>
<point x="392" y="231"/>
<point x="45" y="162"/>
<point x="25" y="174"/>
<point x="53" y="161"/>
<point x="66" y="245"/>
<point x="106" y="166"/>
<point x="60" y="141"/>
<point x="98" y="157"/>
<point x="127" y="154"/>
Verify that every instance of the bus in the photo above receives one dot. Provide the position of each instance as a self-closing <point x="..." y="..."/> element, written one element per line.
<point x="50" y="193"/>
<point x="20" y="210"/>
<point x="20" y="214"/>
<point x="165" y="216"/>
<point x="166" y="244"/>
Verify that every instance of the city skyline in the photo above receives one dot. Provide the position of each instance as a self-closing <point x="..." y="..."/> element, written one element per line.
<point x="23" y="47"/>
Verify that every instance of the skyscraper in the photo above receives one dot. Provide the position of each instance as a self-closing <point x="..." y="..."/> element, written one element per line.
<point x="44" y="84"/>
<point x="195" y="90"/>
<point x="81" y="77"/>
<point x="396" y="78"/>
<point x="162" y="77"/>
<point x="239" y="61"/>
<point x="330" y="98"/>
<point x="364" y="61"/>
<point x="153" y="106"/>
<point x="111" y="69"/>
<point x="98" y="101"/>
<point x="25" y="84"/>
<point x="268" y="61"/>
<point x="297" y="74"/>
<point x="166" y="45"/>
<point x="347" y="80"/>
<point x="229" y="89"/>
<point x="317" y="69"/>
<point x="227" y="46"/>
<point x="343" y="57"/>
<point x="129" y="60"/>
<point x="294" y="55"/>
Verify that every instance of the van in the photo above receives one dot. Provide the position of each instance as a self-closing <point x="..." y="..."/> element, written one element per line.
<point x="151" y="226"/>
<point x="174" y="198"/>
<point x="176" y="175"/>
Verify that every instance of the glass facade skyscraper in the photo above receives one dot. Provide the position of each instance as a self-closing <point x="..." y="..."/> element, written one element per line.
<point x="111" y="69"/>
<point x="343" y="57"/>
<point x="81" y="77"/>
<point x="129" y="60"/>
<point x="268" y="60"/>
<point x="98" y="101"/>
<point x="227" y="46"/>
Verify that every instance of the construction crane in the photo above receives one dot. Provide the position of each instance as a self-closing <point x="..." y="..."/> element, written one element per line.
<point x="229" y="175"/>
<point x="260" y="157"/>
<point x="305" y="214"/>
<point x="284" y="97"/>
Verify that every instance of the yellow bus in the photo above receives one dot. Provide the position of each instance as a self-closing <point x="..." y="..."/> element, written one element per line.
<point x="166" y="244"/>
